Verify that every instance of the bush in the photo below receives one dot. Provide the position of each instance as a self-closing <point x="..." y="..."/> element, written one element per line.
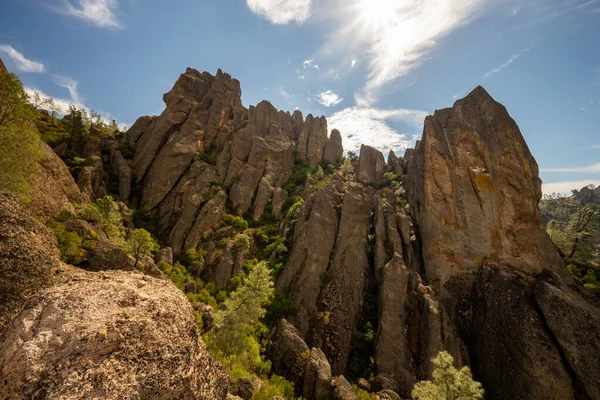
<point x="69" y="243"/>
<point x="236" y="221"/>
<point x="274" y="386"/>
<point x="448" y="382"/>
<point x="280" y="307"/>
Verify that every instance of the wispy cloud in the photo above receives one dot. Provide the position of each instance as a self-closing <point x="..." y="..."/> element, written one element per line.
<point x="329" y="98"/>
<point x="593" y="147"/>
<point x="22" y="63"/>
<point x="511" y="60"/>
<point x="310" y="64"/>
<point x="281" y="11"/>
<point x="98" y="12"/>
<point x="567" y="186"/>
<point x="397" y="35"/>
<point x="594" y="168"/>
<point x="71" y="85"/>
<point x="372" y="126"/>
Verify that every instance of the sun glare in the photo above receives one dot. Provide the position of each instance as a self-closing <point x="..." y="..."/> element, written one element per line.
<point x="377" y="13"/>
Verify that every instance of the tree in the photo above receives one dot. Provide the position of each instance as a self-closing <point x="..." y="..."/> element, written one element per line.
<point x="19" y="150"/>
<point x="448" y="382"/>
<point x="239" y="316"/>
<point x="54" y="109"/>
<point x="141" y="244"/>
<point x="575" y="242"/>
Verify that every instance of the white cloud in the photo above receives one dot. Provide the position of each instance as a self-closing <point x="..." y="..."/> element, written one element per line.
<point x="593" y="147"/>
<point x="22" y="63"/>
<point x="71" y="86"/>
<point x="397" y="35"/>
<point x="594" y="168"/>
<point x="98" y="12"/>
<point x="371" y="126"/>
<point x="352" y="64"/>
<point x="281" y="11"/>
<point x="329" y="98"/>
<point x="511" y="60"/>
<point x="301" y="77"/>
<point x="566" y="186"/>
<point x="310" y="64"/>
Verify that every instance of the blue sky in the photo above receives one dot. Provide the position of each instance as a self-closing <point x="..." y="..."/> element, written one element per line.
<point x="374" y="68"/>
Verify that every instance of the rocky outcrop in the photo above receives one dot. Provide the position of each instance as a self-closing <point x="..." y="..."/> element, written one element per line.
<point x="29" y="257"/>
<point x="52" y="188"/>
<point x="312" y="139"/>
<point x="474" y="188"/>
<point x="340" y="303"/>
<point x="91" y="179"/>
<point x="288" y="352"/>
<point x="333" y="152"/>
<point x="341" y="389"/>
<point x="575" y="323"/>
<point x="317" y="376"/>
<point x="120" y="335"/>
<point x="371" y="165"/>
<point x="103" y="255"/>
<point x="314" y="238"/>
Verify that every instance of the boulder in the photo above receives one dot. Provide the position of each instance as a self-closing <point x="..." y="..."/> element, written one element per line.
<point x="103" y="255"/>
<point x="110" y="335"/>
<point x="52" y="188"/>
<point x="387" y="395"/>
<point x="317" y="376"/>
<point x="243" y="388"/>
<point x="371" y="165"/>
<point x="341" y="389"/>
<point x="288" y="352"/>
<point x="29" y="257"/>
<point x="165" y="254"/>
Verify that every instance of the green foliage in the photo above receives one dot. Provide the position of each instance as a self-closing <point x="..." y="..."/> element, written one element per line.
<point x="69" y="243"/>
<point x="233" y="338"/>
<point x="347" y="169"/>
<point x="110" y="221"/>
<point x="280" y="307"/>
<point x="274" y="386"/>
<point x="140" y="244"/>
<point x="448" y="382"/>
<point x="325" y="278"/>
<point x="294" y="211"/>
<point x="19" y="150"/>
<point x="127" y="149"/>
<point x="575" y="242"/>
<point x="90" y="213"/>
<point x="362" y="394"/>
<point x="236" y="221"/>
<point x="191" y="256"/>
<point x="302" y="169"/>
<point x="361" y="361"/>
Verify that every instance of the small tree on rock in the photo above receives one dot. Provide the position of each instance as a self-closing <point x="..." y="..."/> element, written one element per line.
<point x="141" y="244"/>
<point x="448" y="382"/>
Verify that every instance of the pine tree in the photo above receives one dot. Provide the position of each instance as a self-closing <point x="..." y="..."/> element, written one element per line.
<point x="448" y="382"/>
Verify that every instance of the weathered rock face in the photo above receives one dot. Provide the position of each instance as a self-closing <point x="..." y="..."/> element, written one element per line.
<point x="29" y="257"/>
<point x="317" y="376"/>
<point x="509" y="339"/>
<point x="138" y="339"/>
<point x="474" y="188"/>
<point x="205" y="140"/>
<point x="288" y="352"/>
<point x="371" y="165"/>
<point x="341" y="300"/>
<point x="575" y="323"/>
<point x="53" y="189"/>
<point x="333" y="151"/>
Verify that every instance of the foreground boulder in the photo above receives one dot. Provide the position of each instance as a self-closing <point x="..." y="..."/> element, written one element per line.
<point x="110" y="335"/>
<point x="29" y="257"/>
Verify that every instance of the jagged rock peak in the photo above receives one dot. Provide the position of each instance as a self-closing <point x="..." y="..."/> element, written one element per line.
<point x="3" y="69"/>
<point x="474" y="189"/>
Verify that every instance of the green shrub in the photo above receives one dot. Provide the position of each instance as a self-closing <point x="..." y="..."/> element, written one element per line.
<point x="236" y="221"/>
<point x="69" y="243"/>
<point x="279" y="308"/>
<point x="90" y="213"/>
<point x="448" y="382"/>
<point x="274" y="386"/>
<point x="362" y="394"/>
